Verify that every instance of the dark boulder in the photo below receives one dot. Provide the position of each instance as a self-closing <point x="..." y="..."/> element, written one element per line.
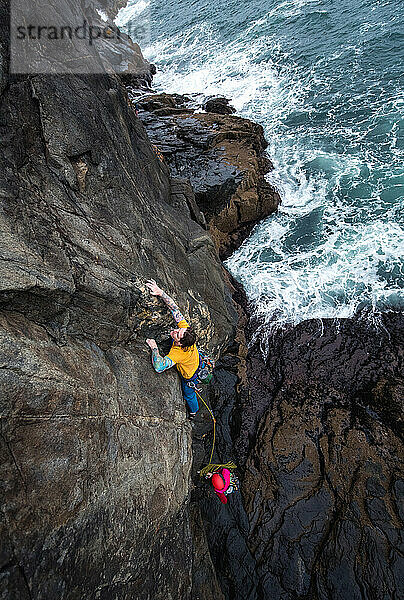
<point x="164" y="104"/>
<point x="218" y="105"/>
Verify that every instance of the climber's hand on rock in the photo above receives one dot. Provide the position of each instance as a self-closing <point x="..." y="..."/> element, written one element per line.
<point x="154" y="288"/>
<point x="151" y="343"/>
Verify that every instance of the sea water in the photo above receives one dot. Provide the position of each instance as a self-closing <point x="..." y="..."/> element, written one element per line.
<point x="325" y="80"/>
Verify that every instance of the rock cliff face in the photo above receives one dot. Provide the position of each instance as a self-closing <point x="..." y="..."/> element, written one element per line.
<point x="95" y="446"/>
<point x="324" y="484"/>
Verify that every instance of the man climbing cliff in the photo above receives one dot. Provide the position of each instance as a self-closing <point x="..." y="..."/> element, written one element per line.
<point x="183" y="353"/>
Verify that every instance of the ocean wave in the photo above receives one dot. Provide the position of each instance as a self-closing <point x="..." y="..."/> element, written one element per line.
<point x="132" y="10"/>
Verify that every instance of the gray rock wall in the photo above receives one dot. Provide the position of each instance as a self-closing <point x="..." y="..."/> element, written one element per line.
<point x="95" y="445"/>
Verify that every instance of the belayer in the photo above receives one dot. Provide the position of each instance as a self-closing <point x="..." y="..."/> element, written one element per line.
<point x="224" y="483"/>
<point x="183" y="353"/>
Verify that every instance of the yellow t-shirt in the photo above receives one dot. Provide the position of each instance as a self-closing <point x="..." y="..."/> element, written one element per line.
<point x="187" y="361"/>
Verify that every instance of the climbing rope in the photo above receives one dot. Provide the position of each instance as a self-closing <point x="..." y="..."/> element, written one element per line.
<point x="212" y="468"/>
<point x="214" y="424"/>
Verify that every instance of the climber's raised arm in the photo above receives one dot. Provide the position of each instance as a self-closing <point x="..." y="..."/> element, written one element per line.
<point x="156" y="291"/>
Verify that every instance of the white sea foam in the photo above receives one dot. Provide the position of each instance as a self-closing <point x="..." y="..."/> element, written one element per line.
<point x="131" y="11"/>
<point x="332" y="279"/>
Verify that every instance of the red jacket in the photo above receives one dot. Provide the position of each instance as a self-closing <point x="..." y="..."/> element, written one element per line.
<point x="220" y="494"/>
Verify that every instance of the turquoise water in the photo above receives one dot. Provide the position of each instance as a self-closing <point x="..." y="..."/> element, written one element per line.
<point x="324" y="78"/>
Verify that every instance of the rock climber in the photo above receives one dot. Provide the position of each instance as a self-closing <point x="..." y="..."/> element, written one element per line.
<point x="224" y="483"/>
<point x="183" y="353"/>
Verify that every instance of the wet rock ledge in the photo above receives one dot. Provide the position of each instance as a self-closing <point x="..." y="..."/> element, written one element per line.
<point x="318" y="435"/>
<point x="217" y="161"/>
<point x="324" y="475"/>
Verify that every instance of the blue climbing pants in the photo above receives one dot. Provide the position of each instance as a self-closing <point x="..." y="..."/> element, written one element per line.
<point x="189" y="392"/>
